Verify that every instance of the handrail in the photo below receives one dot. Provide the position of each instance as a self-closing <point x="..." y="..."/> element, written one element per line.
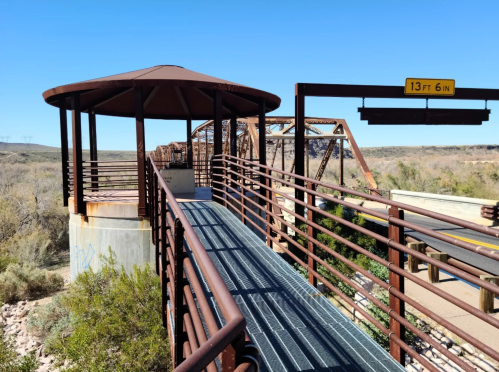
<point x="194" y="351"/>
<point x="234" y="187"/>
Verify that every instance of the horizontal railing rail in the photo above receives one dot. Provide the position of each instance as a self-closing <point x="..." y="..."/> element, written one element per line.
<point x="115" y="178"/>
<point x="234" y="187"/>
<point x="196" y="340"/>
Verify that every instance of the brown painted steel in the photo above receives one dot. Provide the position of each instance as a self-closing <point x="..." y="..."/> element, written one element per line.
<point x="392" y="267"/>
<point x="179" y="293"/>
<point x="187" y="92"/>
<point x="199" y="355"/>
<point x="189" y="143"/>
<point x="79" y="203"/>
<point x="262" y="142"/>
<point x="164" y="261"/>
<point x="141" y="151"/>
<point x="311" y="233"/>
<point x="217" y="135"/>
<point x="299" y="161"/>
<point x="63" y="119"/>
<point x="396" y="258"/>
<point x="386" y="91"/>
<point x="92" y="129"/>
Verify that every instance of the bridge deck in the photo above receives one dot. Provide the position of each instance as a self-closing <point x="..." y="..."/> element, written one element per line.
<point x="295" y="328"/>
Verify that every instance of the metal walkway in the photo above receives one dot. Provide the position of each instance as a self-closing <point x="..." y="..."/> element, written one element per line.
<point x="292" y="324"/>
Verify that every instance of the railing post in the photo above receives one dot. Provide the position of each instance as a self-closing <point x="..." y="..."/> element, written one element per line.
<point x="311" y="232"/>
<point x="268" y="195"/>
<point x="395" y="257"/>
<point x="156" y="224"/>
<point x="179" y="293"/>
<point x="163" y="273"/>
<point x="225" y="183"/>
<point x="243" y="195"/>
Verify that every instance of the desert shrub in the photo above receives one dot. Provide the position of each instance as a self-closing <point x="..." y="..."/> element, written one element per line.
<point x="26" y="282"/>
<point x="5" y="261"/>
<point x="33" y="221"/>
<point x="378" y="336"/>
<point x="50" y="322"/>
<point x="115" y="322"/>
<point x="9" y="361"/>
<point x="347" y="233"/>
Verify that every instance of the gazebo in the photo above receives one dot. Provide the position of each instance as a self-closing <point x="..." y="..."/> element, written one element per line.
<point x="162" y="92"/>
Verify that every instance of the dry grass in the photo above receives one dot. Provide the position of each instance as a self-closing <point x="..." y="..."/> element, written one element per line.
<point x="472" y="175"/>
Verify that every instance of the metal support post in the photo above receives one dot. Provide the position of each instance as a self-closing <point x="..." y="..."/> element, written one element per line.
<point x="164" y="256"/>
<point x="79" y="203"/>
<point x="268" y="195"/>
<point x="179" y="293"/>
<point x="92" y="129"/>
<point x="243" y="195"/>
<point x="189" y="143"/>
<point x="63" y="119"/>
<point x="141" y="151"/>
<point x="156" y="222"/>
<point x="340" y="154"/>
<point x="299" y="147"/>
<point x="262" y="144"/>
<point x="217" y="142"/>
<point x="395" y="257"/>
<point x="233" y="146"/>
<point x="311" y="232"/>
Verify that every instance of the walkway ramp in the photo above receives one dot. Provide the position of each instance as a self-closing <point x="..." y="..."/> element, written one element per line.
<point x="292" y="324"/>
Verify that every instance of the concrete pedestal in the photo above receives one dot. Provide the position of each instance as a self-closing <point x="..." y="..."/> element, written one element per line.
<point x="179" y="181"/>
<point x="108" y="224"/>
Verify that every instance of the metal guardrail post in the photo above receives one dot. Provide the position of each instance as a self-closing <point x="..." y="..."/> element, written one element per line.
<point x="396" y="258"/>
<point x="163" y="273"/>
<point x="179" y="293"/>
<point x="311" y="232"/>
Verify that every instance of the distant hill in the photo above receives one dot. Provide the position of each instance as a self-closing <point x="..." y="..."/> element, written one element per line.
<point x="23" y="153"/>
<point x="26" y="147"/>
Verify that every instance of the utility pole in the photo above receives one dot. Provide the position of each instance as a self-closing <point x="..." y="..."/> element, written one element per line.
<point x="27" y="141"/>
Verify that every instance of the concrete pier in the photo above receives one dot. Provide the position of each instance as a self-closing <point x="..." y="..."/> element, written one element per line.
<point x="110" y="222"/>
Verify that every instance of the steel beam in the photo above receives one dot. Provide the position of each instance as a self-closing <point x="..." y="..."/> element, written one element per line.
<point x="189" y="143"/>
<point x="217" y="141"/>
<point x="141" y="152"/>
<point x="79" y="203"/>
<point x="299" y="162"/>
<point x="386" y="91"/>
<point x="63" y="120"/>
<point x="262" y="142"/>
<point x="92" y="129"/>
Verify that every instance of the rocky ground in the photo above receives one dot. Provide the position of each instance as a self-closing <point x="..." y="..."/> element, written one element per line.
<point x="14" y="319"/>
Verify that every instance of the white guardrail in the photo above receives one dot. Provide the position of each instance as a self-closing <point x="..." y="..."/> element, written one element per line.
<point x="468" y="209"/>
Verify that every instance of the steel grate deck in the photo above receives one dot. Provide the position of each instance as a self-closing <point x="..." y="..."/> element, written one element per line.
<point x="295" y="328"/>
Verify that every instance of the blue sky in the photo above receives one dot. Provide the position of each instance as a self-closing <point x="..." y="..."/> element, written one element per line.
<point x="269" y="45"/>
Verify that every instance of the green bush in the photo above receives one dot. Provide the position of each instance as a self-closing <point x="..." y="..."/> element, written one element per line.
<point x="5" y="261"/>
<point x="26" y="282"/>
<point x="378" y="336"/>
<point x="50" y="322"/>
<point x="115" y="322"/>
<point x="9" y="361"/>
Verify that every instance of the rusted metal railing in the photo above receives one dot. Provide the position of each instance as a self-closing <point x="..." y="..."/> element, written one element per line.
<point x="240" y="178"/>
<point x="197" y="342"/>
<point x="107" y="176"/>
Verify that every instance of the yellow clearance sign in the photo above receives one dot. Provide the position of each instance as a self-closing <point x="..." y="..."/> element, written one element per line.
<point x="430" y="87"/>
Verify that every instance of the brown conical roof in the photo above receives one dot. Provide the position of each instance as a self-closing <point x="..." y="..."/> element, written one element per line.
<point x="169" y="92"/>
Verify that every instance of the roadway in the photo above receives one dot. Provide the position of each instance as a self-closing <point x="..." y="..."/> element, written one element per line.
<point x="470" y="236"/>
